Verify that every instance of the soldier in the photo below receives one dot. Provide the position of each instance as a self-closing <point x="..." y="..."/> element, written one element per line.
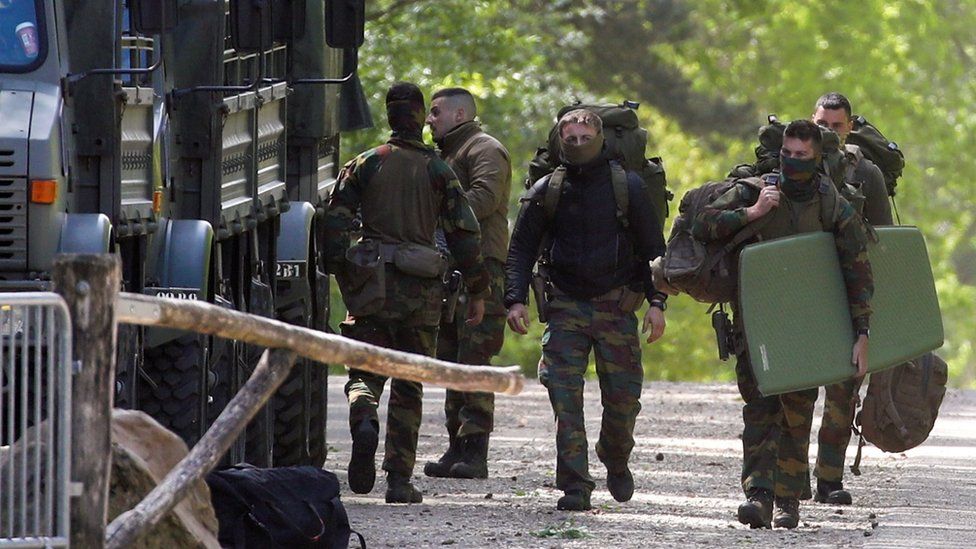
<point x="484" y="170"/>
<point x="834" y="111"/>
<point x="799" y="199"/>
<point x="600" y="275"/>
<point x="391" y="279"/>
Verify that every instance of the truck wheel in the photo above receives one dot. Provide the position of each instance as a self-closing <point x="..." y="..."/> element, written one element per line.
<point x="299" y="405"/>
<point x="175" y="393"/>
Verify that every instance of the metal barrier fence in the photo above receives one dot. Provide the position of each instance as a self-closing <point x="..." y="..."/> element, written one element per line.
<point x="35" y="420"/>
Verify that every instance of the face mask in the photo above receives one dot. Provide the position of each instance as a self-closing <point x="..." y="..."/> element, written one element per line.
<point x="797" y="180"/>
<point x="579" y="154"/>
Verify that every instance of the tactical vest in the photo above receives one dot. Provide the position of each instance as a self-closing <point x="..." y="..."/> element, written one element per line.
<point x="399" y="203"/>
<point x="818" y="214"/>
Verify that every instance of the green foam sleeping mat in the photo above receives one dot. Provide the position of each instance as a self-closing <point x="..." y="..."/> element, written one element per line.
<point x="796" y="318"/>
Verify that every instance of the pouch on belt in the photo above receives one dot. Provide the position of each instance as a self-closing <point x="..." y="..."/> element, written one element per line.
<point x="362" y="279"/>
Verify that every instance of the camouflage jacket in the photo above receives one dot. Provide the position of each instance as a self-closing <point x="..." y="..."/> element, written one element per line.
<point x="727" y="215"/>
<point x="405" y="212"/>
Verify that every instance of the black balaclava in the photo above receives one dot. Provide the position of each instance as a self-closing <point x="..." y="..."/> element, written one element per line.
<point x="405" y="110"/>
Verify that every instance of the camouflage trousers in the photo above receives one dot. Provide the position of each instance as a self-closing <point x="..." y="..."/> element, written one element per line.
<point x="575" y="327"/>
<point x="835" y="429"/>
<point x="775" y="436"/>
<point x="474" y="413"/>
<point x="408" y="322"/>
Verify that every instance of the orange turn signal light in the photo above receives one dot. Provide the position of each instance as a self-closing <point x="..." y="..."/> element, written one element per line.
<point x="157" y="201"/>
<point x="43" y="191"/>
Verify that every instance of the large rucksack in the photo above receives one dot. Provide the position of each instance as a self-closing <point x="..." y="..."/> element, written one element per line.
<point x="708" y="271"/>
<point x="878" y="149"/>
<point x="277" y="508"/>
<point x="902" y="403"/>
<point x="626" y="142"/>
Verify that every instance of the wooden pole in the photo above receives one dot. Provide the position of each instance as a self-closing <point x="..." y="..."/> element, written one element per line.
<point x="89" y="285"/>
<point x="269" y="374"/>
<point x="322" y="347"/>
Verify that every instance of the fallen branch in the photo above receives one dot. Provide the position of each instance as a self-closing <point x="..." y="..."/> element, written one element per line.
<point x="326" y="348"/>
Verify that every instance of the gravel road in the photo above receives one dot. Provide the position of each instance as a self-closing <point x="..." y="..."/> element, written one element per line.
<point x="686" y="470"/>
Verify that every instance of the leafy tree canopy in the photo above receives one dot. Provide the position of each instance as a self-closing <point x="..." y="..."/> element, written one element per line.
<point x="707" y="72"/>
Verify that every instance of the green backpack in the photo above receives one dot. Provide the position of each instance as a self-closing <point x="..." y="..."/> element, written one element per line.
<point x="626" y="141"/>
<point x="878" y="149"/>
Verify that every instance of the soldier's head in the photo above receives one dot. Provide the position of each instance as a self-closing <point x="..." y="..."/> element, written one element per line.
<point x="800" y="154"/>
<point x="833" y="111"/>
<point x="449" y="108"/>
<point x="580" y="136"/>
<point x="405" y="109"/>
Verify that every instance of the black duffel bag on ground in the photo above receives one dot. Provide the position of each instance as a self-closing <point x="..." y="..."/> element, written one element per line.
<point x="286" y="507"/>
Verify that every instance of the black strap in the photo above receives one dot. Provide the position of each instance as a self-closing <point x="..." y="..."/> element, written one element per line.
<point x="856" y="466"/>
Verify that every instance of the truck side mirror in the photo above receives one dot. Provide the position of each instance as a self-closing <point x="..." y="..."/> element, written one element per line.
<point x="289" y="21"/>
<point x="251" y="25"/>
<point x="345" y="23"/>
<point x="151" y="17"/>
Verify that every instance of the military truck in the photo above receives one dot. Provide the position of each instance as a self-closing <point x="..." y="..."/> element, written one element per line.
<point x="197" y="139"/>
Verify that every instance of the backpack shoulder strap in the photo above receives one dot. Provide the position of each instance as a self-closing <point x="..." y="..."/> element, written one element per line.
<point x="854" y="158"/>
<point x="829" y="205"/>
<point x="618" y="179"/>
<point x="553" y="191"/>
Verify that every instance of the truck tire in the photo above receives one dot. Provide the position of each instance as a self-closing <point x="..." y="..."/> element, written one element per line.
<point x="174" y="393"/>
<point x="299" y="405"/>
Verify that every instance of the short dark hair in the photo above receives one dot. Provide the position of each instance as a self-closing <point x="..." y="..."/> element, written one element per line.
<point x="451" y="92"/>
<point x="405" y="91"/>
<point x="833" y="101"/>
<point x="805" y="130"/>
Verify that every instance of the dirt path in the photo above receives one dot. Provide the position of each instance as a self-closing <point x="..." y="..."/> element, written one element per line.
<point x="686" y="468"/>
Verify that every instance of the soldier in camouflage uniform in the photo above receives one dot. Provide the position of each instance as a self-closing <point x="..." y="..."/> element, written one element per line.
<point x="403" y="192"/>
<point x="834" y="111"/>
<point x="600" y="274"/>
<point x="484" y="169"/>
<point x="776" y="435"/>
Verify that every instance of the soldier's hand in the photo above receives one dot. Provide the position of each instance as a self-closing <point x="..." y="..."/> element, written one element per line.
<point x="655" y="323"/>
<point x="768" y="199"/>
<point x="859" y="356"/>
<point x="518" y="318"/>
<point x="476" y="312"/>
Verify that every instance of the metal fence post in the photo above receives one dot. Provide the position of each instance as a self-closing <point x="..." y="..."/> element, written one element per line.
<point x="89" y="285"/>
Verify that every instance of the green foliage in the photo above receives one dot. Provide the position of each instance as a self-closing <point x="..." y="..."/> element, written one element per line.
<point x="707" y="72"/>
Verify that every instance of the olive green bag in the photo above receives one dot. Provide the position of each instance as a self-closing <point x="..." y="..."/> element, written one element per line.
<point x="419" y="260"/>
<point x="362" y="279"/>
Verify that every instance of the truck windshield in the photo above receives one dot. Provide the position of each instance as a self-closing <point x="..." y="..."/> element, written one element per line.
<point x="22" y="40"/>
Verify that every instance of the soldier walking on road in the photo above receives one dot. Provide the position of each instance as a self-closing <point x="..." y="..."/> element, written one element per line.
<point x="834" y="111"/>
<point x="776" y="433"/>
<point x="484" y="169"/>
<point x="599" y="260"/>
<point x="391" y="279"/>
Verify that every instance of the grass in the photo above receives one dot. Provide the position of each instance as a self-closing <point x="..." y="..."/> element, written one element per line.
<point x="565" y="530"/>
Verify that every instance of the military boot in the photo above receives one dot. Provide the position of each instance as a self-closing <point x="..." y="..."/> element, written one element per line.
<point x="621" y="484"/>
<point x="362" y="466"/>
<point x="832" y="492"/>
<point x="757" y="510"/>
<point x="574" y="500"/>
<point x="442" y="467"/>
<point x="474" y="457"/>
<point x="400" y="490"/>
<point x="787" y="513"/>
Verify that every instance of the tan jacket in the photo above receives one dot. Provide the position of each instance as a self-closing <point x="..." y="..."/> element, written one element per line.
<point x="484" y="168"/>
